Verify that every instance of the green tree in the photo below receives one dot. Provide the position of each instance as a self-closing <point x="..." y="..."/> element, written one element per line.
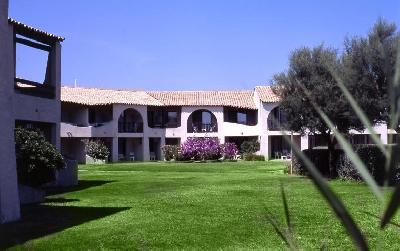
<point x="309" y="80"/>
<point x="368" y="68"/>
<point x="37" y="159"/>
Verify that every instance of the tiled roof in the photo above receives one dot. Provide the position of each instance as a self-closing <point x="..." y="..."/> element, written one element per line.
<point x="240" y="99"/>
<point x="94" y="96"/>
<point x="266" y="94"/>
<point x="34" y="30"/>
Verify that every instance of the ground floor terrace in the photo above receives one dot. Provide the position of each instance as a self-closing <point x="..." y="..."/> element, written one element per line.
<point x="136" y="147"/>
<point x="206" y="206"/>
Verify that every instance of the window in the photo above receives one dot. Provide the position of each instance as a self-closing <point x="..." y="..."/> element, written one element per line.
<point x="241" y="118"/>
<point x="172" y="118"/>
<point x="206" y="117"/>
<point x="165" y="117"/>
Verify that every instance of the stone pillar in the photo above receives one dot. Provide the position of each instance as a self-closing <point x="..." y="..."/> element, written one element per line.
<point x="114" y="149"/>
<point x="146" y="149"/>
<point x="304" y="142"/>
<point x="9" y="198"/>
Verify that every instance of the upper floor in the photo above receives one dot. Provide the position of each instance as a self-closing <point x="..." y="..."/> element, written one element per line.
<point x="90" y="112"/>
<point x="35" y="95"/>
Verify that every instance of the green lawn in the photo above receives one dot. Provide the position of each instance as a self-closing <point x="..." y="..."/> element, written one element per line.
<point x="191" y="206"/>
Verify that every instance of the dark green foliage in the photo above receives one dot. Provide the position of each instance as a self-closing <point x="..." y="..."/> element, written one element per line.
<point x="369" y="67"/>
<point x="249" y="147"/>
<point x="369" y="154"/>
<point x="171" y="152"/>
<point x="320" y="158"/>
<point x="310" y="81"/>
<point x="96" y="149"/>
<point x="375" y="161"/>
<point x="37" y="159"/>
<point x="253" y="157"/>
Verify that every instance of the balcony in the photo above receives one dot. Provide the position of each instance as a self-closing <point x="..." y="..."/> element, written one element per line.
<point x="202" y="121"/>
<point x="130" y="127"/>
<point x="199" y="127"/>
<point x="92" y="130"/>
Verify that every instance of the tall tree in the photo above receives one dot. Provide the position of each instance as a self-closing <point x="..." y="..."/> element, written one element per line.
<point x="369" y="67"/>
<point x="309" y="69"/>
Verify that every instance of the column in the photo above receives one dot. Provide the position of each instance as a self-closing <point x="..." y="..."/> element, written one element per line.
<point x="264" y="146"/>
<point x="304" y="142"/>
<point x="9" y="197"/>
<point x="114" y="150"/>
<point x="146" y="149"/>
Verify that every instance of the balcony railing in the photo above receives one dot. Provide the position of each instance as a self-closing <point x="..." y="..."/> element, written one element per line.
<point x="203" y="127"/>
<point x="130" y="127"/>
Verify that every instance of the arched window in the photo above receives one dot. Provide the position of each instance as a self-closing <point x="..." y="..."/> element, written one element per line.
<point x="130" y="121"/>
<point x="202" y="121"/>
<point x="276" y="119"/>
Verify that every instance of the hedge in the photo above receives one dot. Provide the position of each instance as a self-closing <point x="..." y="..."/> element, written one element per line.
<point x="369" y="154"/>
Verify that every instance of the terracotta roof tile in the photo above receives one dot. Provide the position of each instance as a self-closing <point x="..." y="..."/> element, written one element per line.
<point x="240" y="99"/>
<point x="266" y="94"/>
<point x="94" y="96"/>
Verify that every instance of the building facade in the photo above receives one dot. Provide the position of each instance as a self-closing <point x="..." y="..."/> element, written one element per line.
<point x="136" y="124"/>
<point x="24" y="103"/>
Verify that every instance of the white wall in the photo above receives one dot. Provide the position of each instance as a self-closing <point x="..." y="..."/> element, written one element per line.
<point x="9" y="199"/>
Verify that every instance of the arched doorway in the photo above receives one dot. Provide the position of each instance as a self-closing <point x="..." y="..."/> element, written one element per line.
<point x="276" y="119"/>
<point x="202" y="121"/>
<point x="130" y="121"/>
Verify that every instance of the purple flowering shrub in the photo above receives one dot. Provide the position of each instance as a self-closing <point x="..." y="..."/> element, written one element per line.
<point x="207" y="149"/>
<point x="201" y="149"/>
<point x="229" y="150"/>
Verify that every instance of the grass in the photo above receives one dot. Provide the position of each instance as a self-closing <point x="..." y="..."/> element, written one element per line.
<point x="192" y="206"/>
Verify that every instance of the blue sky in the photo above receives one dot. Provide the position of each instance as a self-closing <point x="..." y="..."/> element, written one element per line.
<point x="187" y="45"/>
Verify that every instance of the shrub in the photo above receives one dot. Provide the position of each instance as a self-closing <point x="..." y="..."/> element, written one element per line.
<point x="320" y="158"/>
<point x="229" y="150"/>
<point x="171" y="152"/>
<point x="253" y="157"/>
<point x="374" y="160"/>
<point x="201" y="149"/>
<point x="37" y="159"/>
<point x="96" y="149"/>
<point x="250" y="147"/>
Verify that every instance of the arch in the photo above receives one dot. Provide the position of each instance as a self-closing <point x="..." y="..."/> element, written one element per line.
<point x="202" y="121"/>
<point x="276" y="118"/>
<point x="130" y="121"/>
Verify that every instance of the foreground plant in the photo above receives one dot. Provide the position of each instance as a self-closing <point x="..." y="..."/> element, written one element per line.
<point x="329" y="99"/>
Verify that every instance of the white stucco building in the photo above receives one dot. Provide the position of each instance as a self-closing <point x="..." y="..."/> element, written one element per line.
<point x="136" y="124"/>
<point x="23" y="102"/>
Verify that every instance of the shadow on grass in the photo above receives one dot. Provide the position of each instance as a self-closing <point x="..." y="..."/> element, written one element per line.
<point x="59" y="200"/>
<point x="41" y="220"/>
<point x="82" y="185"/>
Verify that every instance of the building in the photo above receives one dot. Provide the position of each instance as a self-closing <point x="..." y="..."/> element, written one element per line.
<point x="136" y="124"/>
<point x="24" y="103"/>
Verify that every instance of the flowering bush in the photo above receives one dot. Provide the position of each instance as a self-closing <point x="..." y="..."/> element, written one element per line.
<point x="171" y="152"/>
<point x="96" y="149"/>
<point x="201" y="149"/>
<point x="229" y="150"/>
